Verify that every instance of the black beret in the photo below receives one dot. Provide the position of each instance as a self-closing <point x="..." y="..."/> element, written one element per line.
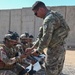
<point x="37" y="4"/>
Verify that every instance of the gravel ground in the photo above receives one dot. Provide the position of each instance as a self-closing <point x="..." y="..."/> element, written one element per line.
<point x="69" y="66"/>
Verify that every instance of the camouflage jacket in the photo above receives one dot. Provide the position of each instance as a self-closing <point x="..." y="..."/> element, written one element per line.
<point x="39" y="36"/>
<point x="54" y="31"/>
<point x="5" y="55"/>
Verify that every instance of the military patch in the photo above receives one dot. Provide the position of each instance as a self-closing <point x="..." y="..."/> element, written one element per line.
<point x="45" y="27"/>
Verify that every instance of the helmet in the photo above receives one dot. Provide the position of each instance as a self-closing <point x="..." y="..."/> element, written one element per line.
<point x="7" y="36"/>
<point x="23" y="36"/>
<point x="12" y="36"/>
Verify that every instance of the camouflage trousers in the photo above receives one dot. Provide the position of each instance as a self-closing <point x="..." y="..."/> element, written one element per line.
<point x="55" y="60"/>
<point x="6" y="72"/>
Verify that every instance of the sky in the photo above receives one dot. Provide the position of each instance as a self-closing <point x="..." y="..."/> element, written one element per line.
<point x="17" y="4"/>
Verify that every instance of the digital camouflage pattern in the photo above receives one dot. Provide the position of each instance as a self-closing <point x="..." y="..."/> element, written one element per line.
<point x="31" y="58"/>
<point x="55" y="30"/>
<point x="5" y="55"/>
<point x="54" y="27"/>
<point x="55" y="60"/>
<point x="39" y="36"/>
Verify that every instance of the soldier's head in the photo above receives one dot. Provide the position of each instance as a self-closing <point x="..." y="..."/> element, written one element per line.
<point x="11" y="39"/>
<point x="39" y="9"/>
<point x="24" y="38"/>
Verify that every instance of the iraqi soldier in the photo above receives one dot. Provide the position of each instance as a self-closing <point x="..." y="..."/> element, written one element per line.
<point x="24" y="40"/>
<point x="28" y="42"/>
<point x="9" y="62"/>
<point x="6" y="54"/>
<point x="55" y="30"/>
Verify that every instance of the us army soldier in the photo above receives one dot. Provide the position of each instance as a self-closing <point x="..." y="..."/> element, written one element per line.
<point x="55" y="30"/>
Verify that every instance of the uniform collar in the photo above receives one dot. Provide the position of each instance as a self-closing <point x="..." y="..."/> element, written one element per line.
<point x="47" y="13"/>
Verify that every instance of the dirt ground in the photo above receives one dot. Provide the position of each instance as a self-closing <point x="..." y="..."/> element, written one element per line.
<point x="69" y="65"/>
<point x="70" y="57"/>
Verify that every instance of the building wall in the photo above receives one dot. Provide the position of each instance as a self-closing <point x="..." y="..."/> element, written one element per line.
<point x="23" y="20"/>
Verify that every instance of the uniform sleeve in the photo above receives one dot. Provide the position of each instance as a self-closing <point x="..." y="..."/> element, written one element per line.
<point x="36" y="43"/>
<point x="48" y="27"/>
<point x="4" y="57"/>
<point x="39" y="36"/>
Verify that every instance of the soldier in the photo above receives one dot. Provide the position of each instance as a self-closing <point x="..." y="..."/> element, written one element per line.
<point x="24" y="40"/>
<point x="9" y="62"/>
<point x="55" y="30"/>
<point x="33" y="59"/>
<point x="6" y="54"/>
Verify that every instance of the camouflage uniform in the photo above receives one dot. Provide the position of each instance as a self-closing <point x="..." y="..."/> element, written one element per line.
<point x="8" y="59"/>
<point x="23" y="61"/>
<point x="5" y="55"/>
<point x="31" y="57"/>
<point x="52" y="38"/>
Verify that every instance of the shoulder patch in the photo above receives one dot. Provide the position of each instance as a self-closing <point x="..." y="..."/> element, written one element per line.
<point x="45" y="27"/>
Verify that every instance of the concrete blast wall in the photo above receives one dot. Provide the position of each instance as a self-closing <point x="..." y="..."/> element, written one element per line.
<point x="23" y="20"/>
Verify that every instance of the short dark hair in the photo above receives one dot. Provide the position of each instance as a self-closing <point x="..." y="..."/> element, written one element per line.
<point x="38" y="4"/>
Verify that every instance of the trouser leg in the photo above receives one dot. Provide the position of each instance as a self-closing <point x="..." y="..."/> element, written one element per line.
<point x="55" y="61"/>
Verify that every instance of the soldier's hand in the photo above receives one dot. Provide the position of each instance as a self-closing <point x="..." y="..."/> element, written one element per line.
<point x="28" y="51"/>
<point x="35" y="53"/>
